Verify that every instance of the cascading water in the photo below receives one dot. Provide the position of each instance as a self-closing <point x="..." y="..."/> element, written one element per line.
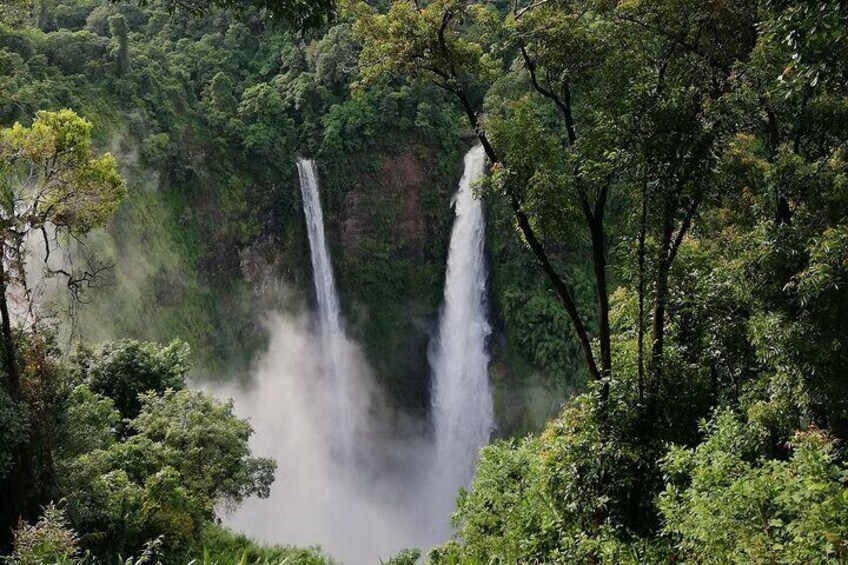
<point x="329" y="324"/>
<point x="313" y="396"/>
<point x="461" y="399"/>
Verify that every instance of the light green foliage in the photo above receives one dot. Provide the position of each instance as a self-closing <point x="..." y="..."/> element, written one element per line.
<point x="14" y="12"/>
<point x="422" y="42"/>
<point x="50" y="169"/>
<point x="90" y="423"/>
<point x="51" y="541"/>
<point x="404" y="557"/>
<point x="208" y="444"/>
<point x="726" y="504"/>
<point x="220" y="546"/>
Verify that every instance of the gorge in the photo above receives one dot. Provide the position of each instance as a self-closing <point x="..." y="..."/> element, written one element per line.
<point x="352" y="478"/>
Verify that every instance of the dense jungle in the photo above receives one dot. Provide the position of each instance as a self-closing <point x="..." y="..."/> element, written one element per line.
<point x="423" y="281"/>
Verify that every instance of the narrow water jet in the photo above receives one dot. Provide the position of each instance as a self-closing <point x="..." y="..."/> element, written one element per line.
<point x="461" y="398"/>
<point x="329" y="320"/>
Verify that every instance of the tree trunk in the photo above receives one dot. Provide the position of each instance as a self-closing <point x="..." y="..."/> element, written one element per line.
<point x="640" y="330"/>
<point x="561" y="289"/>
<point x="600" y="264"/>
<point x="14" y="486"/>
<point x="12" y="375"/>
<point x="655" y="366"/>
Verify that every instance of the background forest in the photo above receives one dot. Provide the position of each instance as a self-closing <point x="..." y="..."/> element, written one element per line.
<point x="667" y="204"/>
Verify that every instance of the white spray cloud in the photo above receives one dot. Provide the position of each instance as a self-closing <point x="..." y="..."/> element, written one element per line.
<point x="358" y="510"/>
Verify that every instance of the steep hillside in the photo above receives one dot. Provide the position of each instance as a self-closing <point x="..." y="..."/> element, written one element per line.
<point x="206" y="117"/>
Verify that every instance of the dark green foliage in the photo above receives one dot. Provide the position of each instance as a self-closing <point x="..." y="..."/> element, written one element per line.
<point x="124" y="370"/>
<point x="119" y="31"/>
<point x="13" y="430"/>
<point x="74" y="52"/>
<point x="299" y="14"/>
<point x="182" y="456"/>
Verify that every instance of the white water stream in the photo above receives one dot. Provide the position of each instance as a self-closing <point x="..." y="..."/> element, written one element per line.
<point x="338" y="379"/>
<point x="461" y="398"/>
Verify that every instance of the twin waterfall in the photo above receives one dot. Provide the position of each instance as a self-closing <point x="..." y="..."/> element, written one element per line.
<point x="461" y="402"/>
<point x="354" y="477"/>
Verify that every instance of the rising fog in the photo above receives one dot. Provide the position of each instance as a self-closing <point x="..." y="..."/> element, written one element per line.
<point x="382" y="500"/>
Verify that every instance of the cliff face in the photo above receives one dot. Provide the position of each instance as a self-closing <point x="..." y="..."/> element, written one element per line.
<point x="392" y="229"/>
<point x="396" y="190"/>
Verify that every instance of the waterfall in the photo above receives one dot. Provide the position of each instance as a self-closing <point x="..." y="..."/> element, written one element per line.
<point x="461" y="399"/>
<point x="329" y="323"/>
<point x="313" y="395"/>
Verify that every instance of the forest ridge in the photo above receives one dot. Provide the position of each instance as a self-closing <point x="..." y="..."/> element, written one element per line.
<point x="667" y="206"/>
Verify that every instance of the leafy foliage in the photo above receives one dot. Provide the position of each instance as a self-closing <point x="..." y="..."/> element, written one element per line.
<point x="123" y="370"/>
<point x="724" y="503"/>
<point x="50" y="540"/>
<point x="187" y="454"/>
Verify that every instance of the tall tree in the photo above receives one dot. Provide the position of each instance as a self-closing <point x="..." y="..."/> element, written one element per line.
<point x="53" y="188"/>
<point x="120" y="33"/>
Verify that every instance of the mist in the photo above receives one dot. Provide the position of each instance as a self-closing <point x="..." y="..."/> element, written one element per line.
<point x="358" y="510"/>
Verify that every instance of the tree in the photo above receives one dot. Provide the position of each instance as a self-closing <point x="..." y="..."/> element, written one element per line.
<point x="123" y="370"/>
<point x="51" y="182"/>
<point x="299" y="14"/>
<point x="52" y="188"/>
<point x="187" y="455"/>
<point x="119" y="31"/>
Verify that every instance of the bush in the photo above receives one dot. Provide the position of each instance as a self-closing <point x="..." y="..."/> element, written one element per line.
<point x="188" y="454"/>
<point x="220" y="546"/>
<point x="50" y="541"/>
<point x="561" y="497"/>
<point x="725" y="503"/>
